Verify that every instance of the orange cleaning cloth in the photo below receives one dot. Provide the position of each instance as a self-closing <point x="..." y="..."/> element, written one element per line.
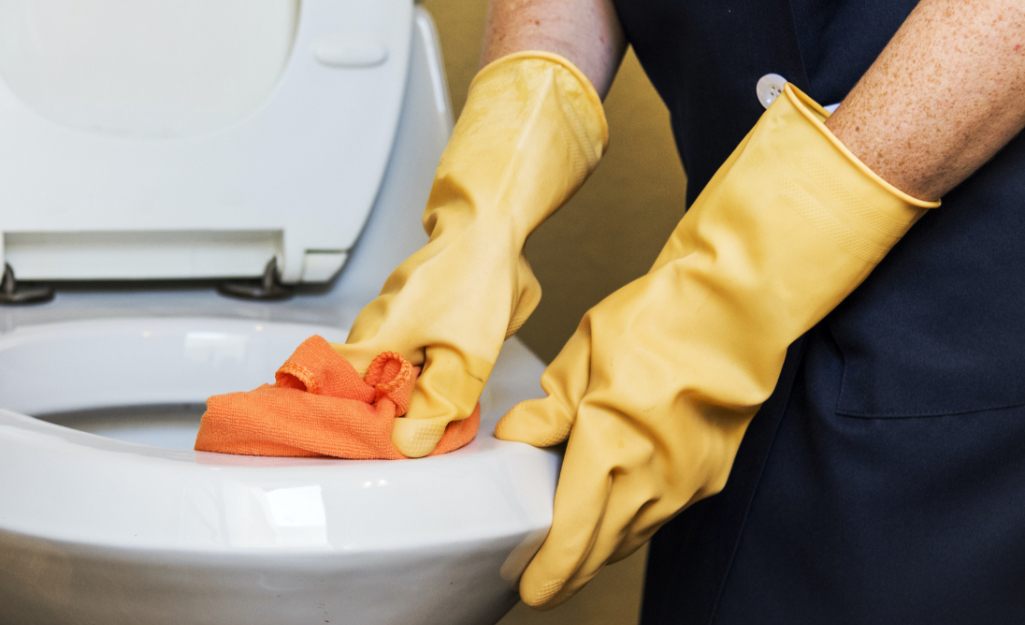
<point x="319" y="407"/>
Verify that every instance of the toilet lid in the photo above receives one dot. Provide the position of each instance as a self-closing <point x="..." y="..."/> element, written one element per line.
<point x="293" y="178"/>
<point x="77" y="488"/>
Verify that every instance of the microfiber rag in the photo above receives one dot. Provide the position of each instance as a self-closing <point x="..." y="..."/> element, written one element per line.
<point x="319" y="407"/>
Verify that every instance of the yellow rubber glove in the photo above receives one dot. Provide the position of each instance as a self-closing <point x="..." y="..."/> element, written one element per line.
<point x="658" y="384"/>
<point x="532" y="130"/>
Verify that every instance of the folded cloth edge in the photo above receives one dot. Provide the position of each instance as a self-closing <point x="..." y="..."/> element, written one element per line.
<point x="320" y="407"/>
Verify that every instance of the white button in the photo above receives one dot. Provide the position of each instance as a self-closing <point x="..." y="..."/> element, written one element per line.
<point x="769" y="87"/>
<point x="349" y="51"/>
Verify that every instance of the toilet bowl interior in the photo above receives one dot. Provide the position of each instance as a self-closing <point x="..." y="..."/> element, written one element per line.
<point x="141" y="380"/>
<point x="171" y="426"/>
<point x="78" y="488"/>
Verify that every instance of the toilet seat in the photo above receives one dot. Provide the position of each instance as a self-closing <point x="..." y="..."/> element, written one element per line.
<point x="129" y="495"/>
<point x="93" y="498"/>
<point x="295" y="179"/>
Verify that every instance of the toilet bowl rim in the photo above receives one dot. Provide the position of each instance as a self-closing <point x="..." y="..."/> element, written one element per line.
<point x="57" y="482"/>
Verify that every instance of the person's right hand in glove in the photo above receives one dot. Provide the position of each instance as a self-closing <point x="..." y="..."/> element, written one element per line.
<point x="532" y="130"/>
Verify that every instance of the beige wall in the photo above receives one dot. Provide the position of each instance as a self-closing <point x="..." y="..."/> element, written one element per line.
<point x="612" y="230"/>
<point x="604" y="237"/>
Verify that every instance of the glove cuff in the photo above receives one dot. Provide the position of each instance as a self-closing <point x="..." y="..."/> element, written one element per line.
<point x="532" y="131"/>
<point x="587" y="102"/>
<point x="817" y="115"/>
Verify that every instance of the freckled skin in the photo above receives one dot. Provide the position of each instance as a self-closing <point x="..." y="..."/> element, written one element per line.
<point x="587" y="32"/>
<point x="943" y="97"/>
<point x="946" y="94"/>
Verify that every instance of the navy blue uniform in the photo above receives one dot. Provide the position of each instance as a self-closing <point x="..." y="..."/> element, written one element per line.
<point x="884" y="481"/>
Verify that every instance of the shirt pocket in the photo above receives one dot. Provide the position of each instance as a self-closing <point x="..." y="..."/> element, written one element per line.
<point x="922" y="374"/>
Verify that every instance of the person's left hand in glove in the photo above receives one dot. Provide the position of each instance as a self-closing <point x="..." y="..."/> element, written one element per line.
<point x="655" y="389"/>
<point x="658" y="384"/>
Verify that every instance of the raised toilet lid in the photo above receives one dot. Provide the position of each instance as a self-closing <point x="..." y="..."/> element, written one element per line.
<point x="77" y="487"/>
<point x="197" y="138"/>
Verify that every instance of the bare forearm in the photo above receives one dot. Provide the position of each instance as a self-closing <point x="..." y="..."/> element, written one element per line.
<point x="944" y="96"/>
<point x="587" y="32"/>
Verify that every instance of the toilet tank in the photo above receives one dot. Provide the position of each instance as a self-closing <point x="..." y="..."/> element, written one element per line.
<point x="184" y="139"/>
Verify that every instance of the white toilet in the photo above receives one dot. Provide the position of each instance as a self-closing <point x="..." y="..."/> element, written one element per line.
<point x="152" y="149"/>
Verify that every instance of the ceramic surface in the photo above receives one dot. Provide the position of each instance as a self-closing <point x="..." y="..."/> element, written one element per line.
<point x="123" y="532"/>
<point x="104" y="531"/>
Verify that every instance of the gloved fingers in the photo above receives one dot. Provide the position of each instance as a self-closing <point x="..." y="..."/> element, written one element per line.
<point x="359" y="355"/>
<point x="528" y="298"/>
<point x="613" y="539"/>
<point x="580" y="504"/>
<point x="537" y="422"/>
<point x="548" y="421"/>
<point x="594" y="564"/>
<point x="571" y="587"/>
<point x="447" y="390"/>
<point x="633" y="541"/>
<point x="606" y="499"/>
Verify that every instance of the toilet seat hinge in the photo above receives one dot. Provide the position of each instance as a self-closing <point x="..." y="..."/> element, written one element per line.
<point x="13" y="293"/>
<point x="266" y="288"/>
